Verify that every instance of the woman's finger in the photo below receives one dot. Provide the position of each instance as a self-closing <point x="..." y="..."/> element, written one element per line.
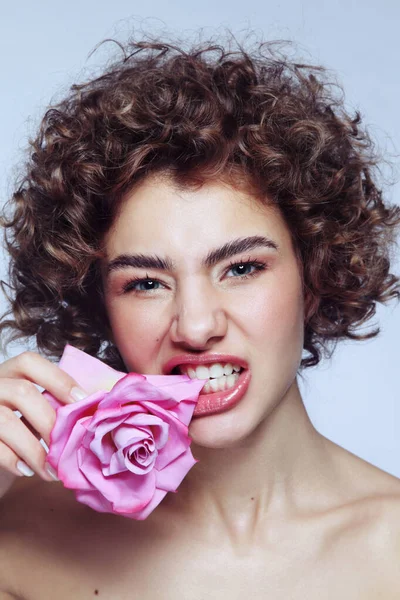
<point x="22" y="395"/>
<point x="15" y="437"/>
<point x="42" y="372"/>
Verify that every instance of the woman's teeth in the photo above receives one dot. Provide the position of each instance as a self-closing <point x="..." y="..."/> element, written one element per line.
<point x="221" y="377"/>
<point x="220" y="384"/>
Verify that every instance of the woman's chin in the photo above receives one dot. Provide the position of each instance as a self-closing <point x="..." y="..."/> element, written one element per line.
<point x="217" y="431"/>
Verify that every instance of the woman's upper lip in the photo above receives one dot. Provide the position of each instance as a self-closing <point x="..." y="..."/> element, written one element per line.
<point x="204" y="359"/>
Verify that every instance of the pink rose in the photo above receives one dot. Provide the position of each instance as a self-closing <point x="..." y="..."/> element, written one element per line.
<point x="126" y="445"/>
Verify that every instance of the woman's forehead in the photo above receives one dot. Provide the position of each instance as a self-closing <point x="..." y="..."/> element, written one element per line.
<point x="162" y="200"/>
<point x="157" y="212"/>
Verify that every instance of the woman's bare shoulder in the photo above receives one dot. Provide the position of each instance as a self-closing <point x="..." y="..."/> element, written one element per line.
<point x="28" y="499"/>
<point x="43" y="529"/>
<point x="54" y="546"/>
<point x="381" y="509"/>
<point x="12" y="500"/>
<point x="33" y="514"/>
<point x="385" y="541"/>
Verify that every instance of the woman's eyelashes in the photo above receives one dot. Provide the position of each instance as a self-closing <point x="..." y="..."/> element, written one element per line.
<point x="133" y="284"/>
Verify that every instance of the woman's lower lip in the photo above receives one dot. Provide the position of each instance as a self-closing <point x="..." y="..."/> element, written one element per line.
<point x="217" y="402"/>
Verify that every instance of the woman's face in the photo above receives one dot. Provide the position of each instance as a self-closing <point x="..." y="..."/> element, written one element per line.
<point x="193" y="307"/>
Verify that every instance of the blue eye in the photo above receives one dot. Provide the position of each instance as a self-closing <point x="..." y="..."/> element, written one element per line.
<point x="133" y="284"/>
<point x="246" y="266"/>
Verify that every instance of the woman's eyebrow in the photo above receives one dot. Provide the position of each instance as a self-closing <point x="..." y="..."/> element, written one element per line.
<point x="236" y="246"/>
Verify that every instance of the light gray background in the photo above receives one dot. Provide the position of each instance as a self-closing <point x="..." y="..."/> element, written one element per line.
<point x="44" y="47"/>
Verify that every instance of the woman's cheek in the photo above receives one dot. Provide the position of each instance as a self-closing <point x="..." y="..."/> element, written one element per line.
<point x="137" y="331"/>
<point x="277" y="316"/>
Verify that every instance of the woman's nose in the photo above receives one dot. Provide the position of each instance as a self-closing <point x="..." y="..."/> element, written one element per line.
<point x="199" y="316"/>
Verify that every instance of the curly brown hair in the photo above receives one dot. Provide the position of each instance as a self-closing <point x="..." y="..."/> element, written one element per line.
<point x="208" y="112"/>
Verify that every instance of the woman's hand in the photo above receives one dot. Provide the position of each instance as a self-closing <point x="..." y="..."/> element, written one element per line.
<point x="21" y="452"/>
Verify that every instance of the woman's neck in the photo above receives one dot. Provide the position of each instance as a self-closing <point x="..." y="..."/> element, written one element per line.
<point x="275" y="473"/>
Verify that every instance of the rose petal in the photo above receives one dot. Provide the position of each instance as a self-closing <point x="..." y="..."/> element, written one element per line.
<point x="112" y="411"/>
<point x="126" y="491"/>
<point x="133" y="388"/>
<point x="141" y="514"/>
<point x="89" y="372"/>
<point x="179" y="440"/>
<point x="94" y="500"/>
<point x="107" y="425"/>
<point x="120" y="463"/>
<point x="105" y="450"/>
<point x="169" y="479"/>
<point x="185" y="390"/>
<point x="101" y="441"/>
<point x="143" y="455"/>
<point x="68" y="468"/>
<point x="158" y="428"/>
<point x="124" y="449"/>
<point x="66" y="417"/>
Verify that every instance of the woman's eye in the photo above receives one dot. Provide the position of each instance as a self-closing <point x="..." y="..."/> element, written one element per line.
<point x="148" y="285"/>
<point x="243" y="269"/>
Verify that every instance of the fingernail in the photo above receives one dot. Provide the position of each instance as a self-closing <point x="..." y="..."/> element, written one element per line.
<point x="52" y="472"/>
<point x="24" y="469"/>
<point x="77" y="394"/>
<point x="45" y="446"/>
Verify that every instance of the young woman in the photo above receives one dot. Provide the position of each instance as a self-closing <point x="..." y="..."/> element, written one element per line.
<point x="206" y="207"/>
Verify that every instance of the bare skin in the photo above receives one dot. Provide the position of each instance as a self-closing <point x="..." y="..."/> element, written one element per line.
<point x="272" y="509"/>
<point x="53" y="547"/>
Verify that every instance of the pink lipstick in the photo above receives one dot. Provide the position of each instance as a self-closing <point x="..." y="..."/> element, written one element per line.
<point x="217" y="402"/>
